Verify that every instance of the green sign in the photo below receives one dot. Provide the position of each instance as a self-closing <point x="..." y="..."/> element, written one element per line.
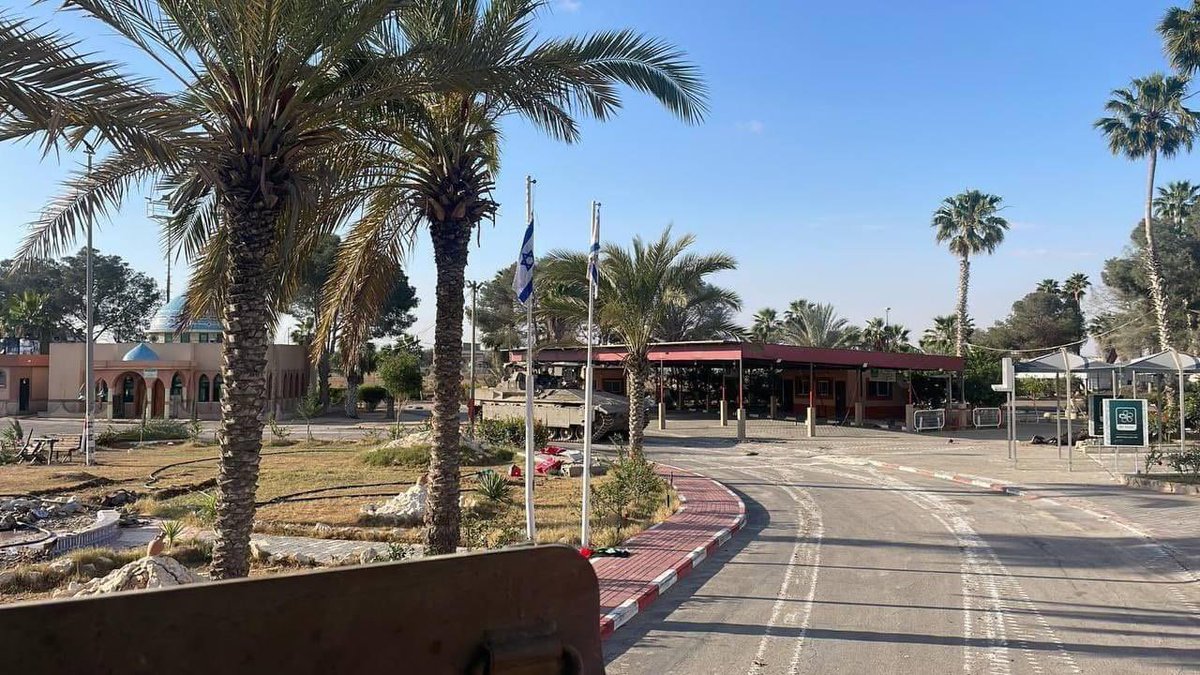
<point x="1096" y="414"/>
<point x="1126" y="422"/>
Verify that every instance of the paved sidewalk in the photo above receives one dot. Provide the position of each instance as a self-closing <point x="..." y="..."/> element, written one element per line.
<point x="667" y="552"/>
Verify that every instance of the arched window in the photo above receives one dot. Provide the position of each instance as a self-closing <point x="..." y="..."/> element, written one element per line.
<point x="3" y="379"/>
<point x="177" y="385"/>
<point x="101" y="391"/>
<point x="128" y="389"/>
<point x="202" y="393"/>
<point x="217" y="382"/>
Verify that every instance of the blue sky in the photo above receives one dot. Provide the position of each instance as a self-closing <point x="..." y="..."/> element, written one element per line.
<point x="835" y="130"/>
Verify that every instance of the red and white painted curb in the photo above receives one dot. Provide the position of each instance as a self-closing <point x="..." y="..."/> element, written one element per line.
<point x="621" y="614"/>
<point x="965" y="479"/>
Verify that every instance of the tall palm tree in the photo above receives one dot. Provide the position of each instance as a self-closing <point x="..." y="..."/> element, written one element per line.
<point x="940" y="337"/>
<point x="1076" y="287"/>
<point x="969" y="224"/>
<point x="1176" y="202"/>
<point x="638" y="287"/>
<point x="1148" y="120"/>
<point x="268" y="113"/>
<point x="767" y="326"/>
<point x="1049" y="286"/>
<point x="815" y="324"/>
<point x="438" y="171"/>
<point x="357" y="365"/>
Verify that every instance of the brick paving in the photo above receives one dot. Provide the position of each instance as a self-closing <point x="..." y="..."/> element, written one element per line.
<point x="667" y="552"/>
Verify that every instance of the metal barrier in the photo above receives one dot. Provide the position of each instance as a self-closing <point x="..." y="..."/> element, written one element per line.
<point x="477" y="613"/>
<point x="929" y="420"/>
<point x="986" y="418"/>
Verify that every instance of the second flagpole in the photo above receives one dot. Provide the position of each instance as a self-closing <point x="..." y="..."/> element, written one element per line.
<point x="589" y="377"/>
<point x="530" y="449"/>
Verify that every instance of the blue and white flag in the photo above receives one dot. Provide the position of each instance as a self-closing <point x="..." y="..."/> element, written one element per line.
<point x="523" y="279"/>
<point x="594" y="255"/>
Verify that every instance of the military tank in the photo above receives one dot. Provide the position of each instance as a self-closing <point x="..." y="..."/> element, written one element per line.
<point x="558" y="399"/>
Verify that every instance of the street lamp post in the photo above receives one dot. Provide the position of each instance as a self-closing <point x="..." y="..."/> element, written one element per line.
<point x="89" y="366"/>
<point x="474" y="286"/>
<point x="887" y="317"/>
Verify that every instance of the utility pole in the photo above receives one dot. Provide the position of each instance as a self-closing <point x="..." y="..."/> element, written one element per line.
<point x="474" y="286"/>
<point x="89" y="355"/>
<point x="160" y="211"/>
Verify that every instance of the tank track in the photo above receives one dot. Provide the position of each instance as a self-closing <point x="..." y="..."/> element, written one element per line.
<point x="602" y="425"/>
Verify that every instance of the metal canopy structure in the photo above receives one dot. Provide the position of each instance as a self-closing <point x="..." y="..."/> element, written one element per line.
<point x="1168" y="361"/>
<point x="1062" y="362"/>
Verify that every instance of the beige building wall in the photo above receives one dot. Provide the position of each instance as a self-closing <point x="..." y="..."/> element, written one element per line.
<point x="32" y="370"/>
<point x="184" y="381"/>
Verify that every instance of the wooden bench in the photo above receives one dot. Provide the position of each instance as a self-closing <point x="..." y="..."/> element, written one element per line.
<point x="67" y="445"/>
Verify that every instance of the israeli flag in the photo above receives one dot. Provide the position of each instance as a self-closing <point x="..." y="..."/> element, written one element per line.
<point x="523" y="279"/>
<point x="594" y="255"/>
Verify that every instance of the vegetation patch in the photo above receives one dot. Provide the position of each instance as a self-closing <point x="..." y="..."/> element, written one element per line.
<point x="149" y="430"/>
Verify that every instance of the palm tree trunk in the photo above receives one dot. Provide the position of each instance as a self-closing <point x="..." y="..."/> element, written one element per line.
<point x="353" y="379"/>
<point x="960" y="323"/>
<point x="450" y="247"/>
<point x="251" y="212"/>
<point x="637" y="368"/>
<point x="1157" y="296"/>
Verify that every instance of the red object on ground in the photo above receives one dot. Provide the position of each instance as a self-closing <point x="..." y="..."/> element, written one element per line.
<point x="547" y="465"/>
<point x="552" y="450"/>
<point x="514" y="471"/>
<point x="585" y="552"/>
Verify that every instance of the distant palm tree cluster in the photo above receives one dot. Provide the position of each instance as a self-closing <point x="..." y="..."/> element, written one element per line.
<point x="815" y="324"/>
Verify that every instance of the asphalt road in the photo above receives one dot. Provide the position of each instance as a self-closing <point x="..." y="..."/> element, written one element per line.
<point x="844" y="568"/>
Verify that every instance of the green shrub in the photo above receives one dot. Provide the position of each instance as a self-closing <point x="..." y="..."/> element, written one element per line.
<point x="171" y="529"/>
<point x="493" y="486"/>
<point x="510" y="432"/>
<point x="416" y="457"/>
<point x="633" y="488"/>
<point x="337" y="396"/>
<point x="372" y="395"/>
<point x="1185" y="462"/>
<point x="150" y="430"/>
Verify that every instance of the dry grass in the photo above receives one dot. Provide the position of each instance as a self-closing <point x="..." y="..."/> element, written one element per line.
<point x="307" y="466"/>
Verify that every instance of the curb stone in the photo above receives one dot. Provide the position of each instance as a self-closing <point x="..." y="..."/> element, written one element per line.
<point x="646" y="596"/>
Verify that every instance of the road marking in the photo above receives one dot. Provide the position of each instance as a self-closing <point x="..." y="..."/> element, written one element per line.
<point x="807" y="553"/>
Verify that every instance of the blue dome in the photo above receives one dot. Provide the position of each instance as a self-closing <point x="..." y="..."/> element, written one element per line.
<point x="168" y="317"/>
<point x="142" y="352"/>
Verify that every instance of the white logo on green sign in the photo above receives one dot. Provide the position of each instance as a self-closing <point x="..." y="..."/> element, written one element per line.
<point x="1127" y="419"/>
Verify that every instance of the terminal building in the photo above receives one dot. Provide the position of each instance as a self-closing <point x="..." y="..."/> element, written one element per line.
<point x="174" y="373"/>
<point x="769" y="380"/>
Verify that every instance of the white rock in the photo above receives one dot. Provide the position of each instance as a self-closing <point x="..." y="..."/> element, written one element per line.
<point x="302" y="559"/>
<point x="408" y="507"/>
<point x="149" y="572"/>
<point x="258" y="551"/>
<point x="62" y="566"/>
<point x="368" y="556"/>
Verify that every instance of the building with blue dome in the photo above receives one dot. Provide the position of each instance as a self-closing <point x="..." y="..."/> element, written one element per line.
<point x="174" y="373"/>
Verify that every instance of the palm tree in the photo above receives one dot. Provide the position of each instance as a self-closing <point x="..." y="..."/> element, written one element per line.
<point x="359" y="364"/>
<point x="1148" y="120"/>
<point x="1049" y="286"/>
<point x="439" y="172"/>
<point x="969" y="225"/>
<point x="810" y="324"/>
<point x="707" y="314"/>
<point x="940" y="338"/>
<point x="767" y="326"/>
<point x="269" y="114"/>
<point x="638" y="287"/>
<point x="880" y="336"/>
<point x="1076" y="286"/>
<point x="1176" y="203"/>
<point x="1180" y="30"/>
<point x="25" y="314"/>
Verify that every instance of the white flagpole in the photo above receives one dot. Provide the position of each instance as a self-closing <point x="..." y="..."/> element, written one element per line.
<point x="530" y="526"/>
<point x="588" y="385"/>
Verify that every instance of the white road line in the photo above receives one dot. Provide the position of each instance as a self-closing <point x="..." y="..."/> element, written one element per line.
<point x="807" y="553"/>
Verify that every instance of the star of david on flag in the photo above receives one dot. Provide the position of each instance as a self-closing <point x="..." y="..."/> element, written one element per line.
<point x="523" y="279"/>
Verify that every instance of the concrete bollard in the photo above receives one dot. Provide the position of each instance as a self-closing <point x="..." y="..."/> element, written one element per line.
<point x="662" y="415"/>
<point x="774" y="406"/>
<point x="741" y="424"/>
<point x="810" y="423"/>
<point x="724" y="413"/>
<point x="910" y="417"/>
<point x="860" y="413"/>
